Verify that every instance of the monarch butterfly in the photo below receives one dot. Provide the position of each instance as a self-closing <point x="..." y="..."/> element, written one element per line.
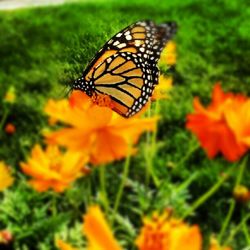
<point x="124" y="72"/>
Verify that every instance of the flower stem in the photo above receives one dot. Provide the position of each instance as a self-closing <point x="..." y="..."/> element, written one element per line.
<point x="53" y="204"/>
<point x="205" y="196"/>
<point x="232" y="203"/>
<point x="241" y="171"/>
<point x="236" y="229"/>
<point x="4" y="117"/>
<point x="192" y="149"/>
<point x="103" y="191"/>
<point x="246" y="233"/>
<point x="150" y="153"/>
<point x="88" y="191"/>
<point x="227" y="220"/>
<point x="122" y="185"/>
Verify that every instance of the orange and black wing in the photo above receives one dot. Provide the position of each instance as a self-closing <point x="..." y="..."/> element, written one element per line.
<point x="144" y="38"/>
<point x="136" y="38"/>
<point x="126" y="67"/>
<point x="127" y="79"/>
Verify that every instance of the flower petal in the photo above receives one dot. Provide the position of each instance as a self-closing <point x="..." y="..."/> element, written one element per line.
<point x="98" y="232"/>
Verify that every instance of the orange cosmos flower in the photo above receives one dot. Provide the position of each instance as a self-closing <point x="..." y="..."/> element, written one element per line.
<point x="6" y="180"/>
<point x="238" y="120"/>
<point x="168" y="55"/>
<point x="160" y="233"/>
<point x="98" y="232"/>
<point x="214" y="245"/>
<point x="64" y="246"/>
<point x="163" y="232"/>
<point x="5" y="237"/>
<point x="10" y="128"/>
<point x="241" y="193"/>
<point x="10" y="96"/>
<point x="52" y="168"/>
<point x="95" y="130"/>
<point x="161" y="90"/>
<point x="215" y="126"/>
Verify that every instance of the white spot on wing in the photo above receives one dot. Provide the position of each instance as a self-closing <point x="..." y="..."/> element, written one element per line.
<point x="121" y="45"/>
<point x="128" y="37"/>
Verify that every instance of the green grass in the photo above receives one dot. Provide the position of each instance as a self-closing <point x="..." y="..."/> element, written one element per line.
<point x="43" y="50"/>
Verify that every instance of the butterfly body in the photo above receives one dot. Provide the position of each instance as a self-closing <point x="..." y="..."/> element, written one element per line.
<point x="124" y="72"/>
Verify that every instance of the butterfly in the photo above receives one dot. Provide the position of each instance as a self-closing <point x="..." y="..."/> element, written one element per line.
<point x="124" y="72"/>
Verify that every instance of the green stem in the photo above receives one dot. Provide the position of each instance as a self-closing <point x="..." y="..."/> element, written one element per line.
<point x="53" y="204"/>
<point x="227" y="220"/>
<point x="122" y="185"/>
<point x="236" y="229"/>
<point x="205" y="196"/>
<point x="232" y="203"/>
<point x="104" y="198"/>
<point x="88" y="191"/>
<point x="150" y="154"/>
<point x="186" y="183"/>
<point x="241" y="171"/>
<point x="148" y="167"/>
<point x="4" y="118"/>
<point x="246" y="233"/>
<point x="188" y="154"/>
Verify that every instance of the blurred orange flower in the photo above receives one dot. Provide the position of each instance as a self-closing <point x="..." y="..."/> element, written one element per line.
<point x="95" y="130"/>
<point x="6" y="179"/>
<point x="52" y="168"/>
<point x="98" y="232"/>
<point x="10" y="128"/>
<point x="161" y="90"/>
<point x="222" y="126"/>
<point x="168" y="55"/>
<point x="163" y="232"/>
<point x="5" y="237"/>
<point x="214" y="245"/>
<point x="241" y="193"/>
<point x="10" y="95"/>
<point x="64" y="246"/>
<point x="238" y="120"/>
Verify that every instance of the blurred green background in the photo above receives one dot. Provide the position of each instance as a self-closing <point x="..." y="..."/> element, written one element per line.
<point x="43" y="49"/>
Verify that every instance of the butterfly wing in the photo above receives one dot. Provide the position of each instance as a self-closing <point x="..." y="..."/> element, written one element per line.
<point x="136" y="38"/>
<point x="126" y="79"/>
<point x="164" y="32"/>
<point x="126" y="67"/>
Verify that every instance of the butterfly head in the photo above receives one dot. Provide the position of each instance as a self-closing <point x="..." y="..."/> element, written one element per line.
<point x="84" y="85"/>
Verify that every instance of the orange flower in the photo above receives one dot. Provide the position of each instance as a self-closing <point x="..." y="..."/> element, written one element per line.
<point x="168" y="55"/>
<point x="10" y="96"/>
<point x="241" y="193"/>
<point x="214" y="245"/>
<point x="98" y="232"/>
<point x="160" y="233"/>
<point x="10" y="128"/>
<point x="5" y="237"/>
<point x="53" y="169"/>
<point x="95" y="130"/>
<point x="238" y="120"/>
<point x="161" y="90"/>
<point x="215" y="125"/>
<point x="6" y="179"/>
<point x="64" y="246"/>
<point x="163" y="232"/>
